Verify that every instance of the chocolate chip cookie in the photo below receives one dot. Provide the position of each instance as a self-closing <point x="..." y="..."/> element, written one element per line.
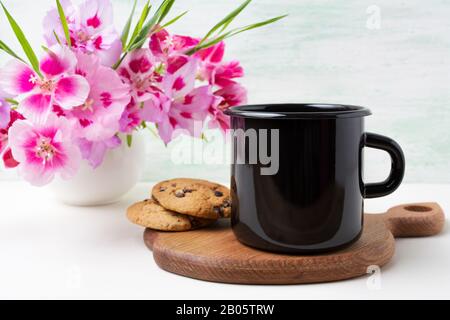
<point x="151" y="215"/>
<point x="198" y="198"/>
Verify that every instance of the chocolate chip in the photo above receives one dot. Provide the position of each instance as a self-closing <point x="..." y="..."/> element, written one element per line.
<point x="180" y="194"/>
<point x="186" y="190"/>
<point x="174" y="185"/>
<point x="162" y="189"/>
<point x="218" y="194"/>
<point x="194" y="222"/>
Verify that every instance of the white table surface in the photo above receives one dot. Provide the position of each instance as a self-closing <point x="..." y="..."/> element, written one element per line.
<point x="52" y="251"/>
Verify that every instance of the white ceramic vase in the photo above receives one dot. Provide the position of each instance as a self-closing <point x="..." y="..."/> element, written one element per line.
<point x="118" y="174"/>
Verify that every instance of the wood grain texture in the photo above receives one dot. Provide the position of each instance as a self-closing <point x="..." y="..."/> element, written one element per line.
<point x="214" y="254"/>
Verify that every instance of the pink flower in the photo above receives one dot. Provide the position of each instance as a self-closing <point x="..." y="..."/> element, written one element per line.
<point x="94" y="152"/>
<point x="4" y="114"/>
<point x="186" y="114"/>
<point x="3" y="139"/>
<point x="212" y="54"/>
<point x="223" y="74"/>
<point x="132" y="117"/>
<point x="43" y="151"/>
<point x="182" y="107"/>
<point x="13" y="116"/>
<point x="8" y="160"/>
<point x="138" y="71"/>
<point x="91" y="29"/>
<point x="230" y="96"/>
<point x="100" y="114"/>
<point x="59" y="84"/>
<point x="164" y="45"/>
<point x="214" y="70"/>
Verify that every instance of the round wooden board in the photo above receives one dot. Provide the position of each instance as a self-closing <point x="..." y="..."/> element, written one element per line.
<point x="214" y="254"/>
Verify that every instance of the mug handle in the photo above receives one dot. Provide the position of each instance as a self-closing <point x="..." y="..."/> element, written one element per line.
<point x="381" y="189"/>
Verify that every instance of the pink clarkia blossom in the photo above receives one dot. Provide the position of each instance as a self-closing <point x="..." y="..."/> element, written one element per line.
<point x="213" y="54"/>
<point x="214" y="70"/>
<point x="222" y="74"/>
<point x="4" y="114"/>
<point x="7" y="157"/>
<point x="95" y="152"/>
<point x="164" y="45"/>
<point x="132" y="117"/>
<point x="232" y="95"/>
<point x="227" y="97"/>
<point x="59" y="84"/>
<point x="3" y="140"/>
<point x="182" y="107"/>
<point x="99" y="115"/>
<point x="210" y="68"/>
<point x="44" y="150"/>
<point x="8" y="160"/>
<point x="13" y="116"/>
<point x="138" y="72"/>
<point x="91" y="29"/>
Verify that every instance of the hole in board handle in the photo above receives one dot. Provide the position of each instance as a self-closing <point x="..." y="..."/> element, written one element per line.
<point x="415" y="208"/>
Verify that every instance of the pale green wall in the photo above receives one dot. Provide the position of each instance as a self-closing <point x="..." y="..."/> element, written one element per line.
<point x="325" y="52"/>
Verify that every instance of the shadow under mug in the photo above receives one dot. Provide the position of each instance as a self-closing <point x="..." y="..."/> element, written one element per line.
<point x="297" y="184"/>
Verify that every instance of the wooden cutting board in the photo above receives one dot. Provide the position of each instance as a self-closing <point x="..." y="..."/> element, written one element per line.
<point x="214" y="254"/>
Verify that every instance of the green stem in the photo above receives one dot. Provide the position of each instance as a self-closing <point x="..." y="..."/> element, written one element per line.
<point x="118" y="63"/>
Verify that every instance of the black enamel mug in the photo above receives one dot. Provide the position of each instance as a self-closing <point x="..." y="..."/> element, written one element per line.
<point x="297" y="184"/>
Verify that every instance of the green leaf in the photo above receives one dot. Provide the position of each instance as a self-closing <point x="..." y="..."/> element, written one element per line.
<point x="233" y="33"/>
<point x="172" y="21"/>
<point x="208" y="44"/>
<point x="118" y="63"/>
<point x="126" y="29"/>
<point x="165" y="11"/>
<point x="129" y="140"/>
<point x="56" y="37"/>
<point x="12" y="101"/>
<point x="142" y="19"/>
<point x="62" y="17"/>
<point x="9" y="51"/>
<point x="23" y="41"/>
<point x="225" y="26"/>
<point x="159" y="15"/>
<point x="256" y="25"/>
<point x="226" y="21"/>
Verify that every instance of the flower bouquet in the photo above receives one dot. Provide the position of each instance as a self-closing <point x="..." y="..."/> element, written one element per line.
<point x="94" y="87"/>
